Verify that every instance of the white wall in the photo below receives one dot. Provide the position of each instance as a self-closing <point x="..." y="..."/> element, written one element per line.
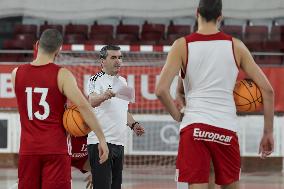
<point x="88" y="9"/>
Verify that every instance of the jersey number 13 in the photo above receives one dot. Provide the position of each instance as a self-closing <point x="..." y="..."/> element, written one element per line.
<point x="30" y="91"/>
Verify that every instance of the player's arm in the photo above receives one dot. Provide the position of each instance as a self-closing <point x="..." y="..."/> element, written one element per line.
<point x="134" y="125"/>
<point x="174" y="64"/>
<point x="96" y="99"/>
<point x="249" y="66"/>
<point x="13" y="76"/>
<point x="68" y="86"/>
<point x="180" y="98"/>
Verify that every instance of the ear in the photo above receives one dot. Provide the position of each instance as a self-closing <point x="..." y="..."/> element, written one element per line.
<point x="57" y="52"/>
<point x="35" y="49"/>
<point x="197" y="12"/>
<point x="102" y="62"/>
<point x="220" y="18"/>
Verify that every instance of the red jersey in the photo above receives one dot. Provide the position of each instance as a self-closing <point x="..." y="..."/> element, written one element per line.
<point x="41" y="108"/>
<point x="79" y="152"/>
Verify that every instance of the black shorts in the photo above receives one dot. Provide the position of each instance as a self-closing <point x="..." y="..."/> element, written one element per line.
<point x="109" y="174"/>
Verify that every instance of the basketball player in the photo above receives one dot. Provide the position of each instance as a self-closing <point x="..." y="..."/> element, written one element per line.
<point x="209" y="61"/>
<point x="41" y="88"/>
<point x="180" y="103"/>
<point x="113" y="115"/>
<point x="79" y="157"/>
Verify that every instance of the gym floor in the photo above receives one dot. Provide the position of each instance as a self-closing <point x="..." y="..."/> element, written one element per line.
<point x="156" y="178"/>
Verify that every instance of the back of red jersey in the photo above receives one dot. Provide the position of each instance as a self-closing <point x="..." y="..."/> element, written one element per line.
<point x="41" y="108"/>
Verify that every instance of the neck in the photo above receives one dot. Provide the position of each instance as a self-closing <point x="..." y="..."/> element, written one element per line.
<point x="207" y="27"/>
<point x="108" y="72"/>
<point x="43" y="59"/>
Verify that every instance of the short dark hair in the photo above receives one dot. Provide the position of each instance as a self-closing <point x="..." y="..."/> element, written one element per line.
<point x="50" y="40"/>
<point x="210" y="10"/>
<point x="103" y="51"/>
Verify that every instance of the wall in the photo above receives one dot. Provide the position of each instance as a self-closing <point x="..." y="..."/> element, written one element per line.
<point x="75" y="9"/>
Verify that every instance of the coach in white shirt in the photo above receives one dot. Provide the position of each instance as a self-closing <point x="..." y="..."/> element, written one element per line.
<point x="113" y="115"/>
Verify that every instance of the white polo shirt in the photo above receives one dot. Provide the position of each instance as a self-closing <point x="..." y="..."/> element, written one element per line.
<point x="112" y="113"/>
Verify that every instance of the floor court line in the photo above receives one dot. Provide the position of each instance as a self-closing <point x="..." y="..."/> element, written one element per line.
<point x="139" y="178"/>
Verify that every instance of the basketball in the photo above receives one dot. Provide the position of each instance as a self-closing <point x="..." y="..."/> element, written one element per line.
<point x="247" y="96"/>
<point x="73" y="122"/>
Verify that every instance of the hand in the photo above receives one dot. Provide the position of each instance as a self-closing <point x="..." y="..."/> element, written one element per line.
<point x="103" y="152"/>
<point x="108" y="94"/>
<point x="89" y="181"/>
<point x="138" y="129"/>
<point x="266" y="145"/>
<point x="178" y="117"/>
<point x="180" y="102"/>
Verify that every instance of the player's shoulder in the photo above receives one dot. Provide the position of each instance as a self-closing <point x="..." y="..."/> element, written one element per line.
<point x="14" y="71"/>
<point x="180" y="41"/>
<point x="97" y="76"/>
<point x="239" y="46"/>
<point x="22" y="67"/>
<point x="237" y="42"/>
<point x="179" y="46"/>
<point x="65" y="75"/>
<point x="64" y="72"/>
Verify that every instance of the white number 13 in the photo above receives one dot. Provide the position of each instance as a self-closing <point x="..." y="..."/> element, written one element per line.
<point x="42" y="102"/>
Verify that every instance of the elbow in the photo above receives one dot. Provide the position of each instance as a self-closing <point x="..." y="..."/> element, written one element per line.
<point x="272" y="92"/>
<point x="159" y="91"/>
<point x="269" y="92"/>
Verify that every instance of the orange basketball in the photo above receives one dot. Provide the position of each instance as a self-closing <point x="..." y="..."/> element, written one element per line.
<point x="247" y="96"/>
<point x="74" y="123"/>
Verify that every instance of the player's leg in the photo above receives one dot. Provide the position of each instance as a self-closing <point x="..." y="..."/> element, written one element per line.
<point x="29" y="172"/>
<point x="56" y="172"/>
<point x="193" y="161"/>
<point x="233" y="185"/>
<point x="117" y="166"/>
<point x="211" y="184"/>
<point x="198" y="186"/>
<point x="101" y="173"/>
<point x="226" y="158"/>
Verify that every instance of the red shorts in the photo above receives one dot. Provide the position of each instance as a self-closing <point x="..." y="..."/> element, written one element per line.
<point x="44" y="171"/>
<point x="201" y="143"/>
<point x="79" y="163"/>
<point x="79" y="152"/>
